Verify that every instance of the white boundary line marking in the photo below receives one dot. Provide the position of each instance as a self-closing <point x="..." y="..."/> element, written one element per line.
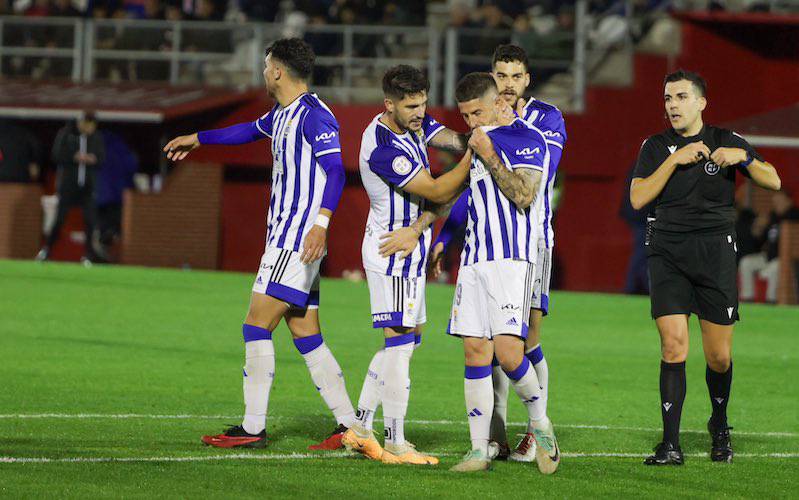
<point x="28" y="416"/>
<point x="325" y="456"/>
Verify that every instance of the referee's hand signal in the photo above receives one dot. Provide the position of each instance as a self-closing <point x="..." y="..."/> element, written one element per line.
<point x="690" y="154"/>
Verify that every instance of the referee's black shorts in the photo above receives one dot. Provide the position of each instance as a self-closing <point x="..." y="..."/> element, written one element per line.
<point x="694" y="273"/>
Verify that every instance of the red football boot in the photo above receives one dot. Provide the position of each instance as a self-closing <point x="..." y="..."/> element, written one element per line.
<point x="333" y="442"/>
<point x="236" y="437"/>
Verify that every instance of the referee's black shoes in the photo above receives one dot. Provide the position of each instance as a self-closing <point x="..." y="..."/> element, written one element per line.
<point x="665" y="454"/>
<point x="721" y="451"/>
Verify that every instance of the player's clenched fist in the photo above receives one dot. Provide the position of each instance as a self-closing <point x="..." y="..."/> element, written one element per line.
<point x="691" y="153"/>
<point x="724" y="157"/>
<point x="179" y="147"/>
<point x="480" y="143"/>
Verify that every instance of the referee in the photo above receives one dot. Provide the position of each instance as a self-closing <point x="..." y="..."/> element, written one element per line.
<point x="689" y="171"/>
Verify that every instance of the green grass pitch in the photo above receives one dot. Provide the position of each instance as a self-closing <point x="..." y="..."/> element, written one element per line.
<point x="110" y="375"/>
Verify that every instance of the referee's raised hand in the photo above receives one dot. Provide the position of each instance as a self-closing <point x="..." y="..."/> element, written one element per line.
<point x="690" y="154"/>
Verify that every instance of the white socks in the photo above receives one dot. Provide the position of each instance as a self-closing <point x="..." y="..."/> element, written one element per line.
<point x="536" y="357"/>
<point x="396" y="386"/>
<point x="327" y="376"/>
<point x="499" y="418"/>
<point x="478" y="392"/>
<point x="371" y="392"/>
<point x="259" y="371"/>
<point x="525" y="383"/>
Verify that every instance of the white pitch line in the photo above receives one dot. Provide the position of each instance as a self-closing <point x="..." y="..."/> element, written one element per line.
<point x="325" y="456"/>
<point x="23" y="416"/>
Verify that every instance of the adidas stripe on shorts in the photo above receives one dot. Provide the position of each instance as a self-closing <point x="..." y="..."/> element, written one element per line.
<point x="283" y="276"/>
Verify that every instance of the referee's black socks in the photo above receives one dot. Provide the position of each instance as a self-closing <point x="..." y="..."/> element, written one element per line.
<point x="672" y="395"/>
<point x="718" y="385"/>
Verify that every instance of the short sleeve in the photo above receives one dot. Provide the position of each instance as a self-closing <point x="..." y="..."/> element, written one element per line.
<point x="554" y="128"/>
<point x="394" y="166"/>
<point x="735" y="140"/>
<point x="646" y="163"/>
<point x="264" y="123"/>
<point x="525" y="149"/>
<point x="430" y="127"/>
<point x="322" y="132"/>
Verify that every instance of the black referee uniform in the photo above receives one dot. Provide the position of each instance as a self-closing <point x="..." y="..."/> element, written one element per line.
<point x="691" y="243"/>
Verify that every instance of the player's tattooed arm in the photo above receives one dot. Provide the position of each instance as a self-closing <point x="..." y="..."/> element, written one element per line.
<point x="449" y="140"/>
<point x="520" y="185"/>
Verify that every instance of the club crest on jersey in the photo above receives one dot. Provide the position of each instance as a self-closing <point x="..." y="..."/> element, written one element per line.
<point x="672" y="149"/>
<point x="711" y="168"/>
<point x="401" y="165"/>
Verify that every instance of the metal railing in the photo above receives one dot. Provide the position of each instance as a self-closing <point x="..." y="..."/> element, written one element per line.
<point x="349" y="65"/>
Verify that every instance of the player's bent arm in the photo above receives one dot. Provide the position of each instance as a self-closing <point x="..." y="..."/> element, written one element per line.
<point x="404" y="240"/>
<point x="764" y="174"/>
<point x="443" y="188"/>
<point x="449" y="140"/>
<point x="316" y="239"/>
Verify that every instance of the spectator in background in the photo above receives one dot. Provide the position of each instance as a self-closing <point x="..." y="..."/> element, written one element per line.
<point x="766" y="263"/>
<point x="20" y="154"/>
<point x="744" y="220"/>
<point x="637" y="281"/>
<point x="114" y="175"/>
<point x="77" y="151"/>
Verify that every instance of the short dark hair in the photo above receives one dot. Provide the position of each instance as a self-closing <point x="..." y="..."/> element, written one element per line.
<point x="474" y="86"/>
<point x="295" y="54"/>
<point x="510" y="53"/>
<point x="690" y="76"/>
<point x="400" y="81"/>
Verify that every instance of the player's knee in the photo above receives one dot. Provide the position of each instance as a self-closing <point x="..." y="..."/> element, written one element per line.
<point x="508" y="354"/>
<point x="718" y="361"/>
<point x="477" y="353"/>
<point x="674" y="348"/>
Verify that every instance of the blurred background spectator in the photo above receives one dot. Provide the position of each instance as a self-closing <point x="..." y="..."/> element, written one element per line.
<point x="20" y="153"/>
<point x="77" y="151"/>
<point x="765" y="263"/>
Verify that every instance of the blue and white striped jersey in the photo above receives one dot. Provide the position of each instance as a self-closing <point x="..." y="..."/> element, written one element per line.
<point x="301" y="132"/>
<point x="388" y="161"/>
<point x="496" y="228"/>
<point x="549" y="120"/>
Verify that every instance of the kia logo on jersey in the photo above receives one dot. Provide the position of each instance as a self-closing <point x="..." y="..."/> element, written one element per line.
<point x="326" y="136"/>
<point x="527" y="151"/>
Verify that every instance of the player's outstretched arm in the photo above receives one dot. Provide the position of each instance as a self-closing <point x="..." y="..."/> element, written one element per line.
<point x="645" y="189"/>
<point x="519" y="185"/>
<point x="241" y="133"/>
<point x="444" y="188"/>
<point x="449" y="140"/>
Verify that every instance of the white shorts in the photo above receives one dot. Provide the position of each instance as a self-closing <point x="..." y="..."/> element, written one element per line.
<point x="396" y="301"/>
<point x="283" y="276"/>
<point x="543" y="275"/>
<point x="492" y="298"/>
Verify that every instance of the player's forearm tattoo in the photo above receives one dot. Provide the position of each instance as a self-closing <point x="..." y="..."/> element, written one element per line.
<point x="519" y="185"/>
<point x="424" y="220"/>
<point x="449" y="140"/>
